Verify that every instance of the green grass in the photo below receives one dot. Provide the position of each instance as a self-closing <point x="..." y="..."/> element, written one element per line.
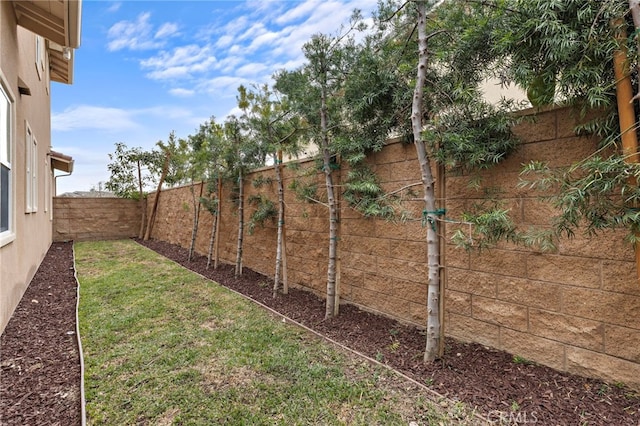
<point x="164" y="346"/>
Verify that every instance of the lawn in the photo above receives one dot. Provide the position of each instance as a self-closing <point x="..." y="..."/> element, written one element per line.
<point x="163" y="345"/>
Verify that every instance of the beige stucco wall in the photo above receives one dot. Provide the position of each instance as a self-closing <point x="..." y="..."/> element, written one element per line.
<point x="20" y="258"/>
<point x="576" y="310"/>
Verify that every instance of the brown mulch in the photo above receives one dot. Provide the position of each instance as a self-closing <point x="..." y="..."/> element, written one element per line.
<point x="38" y="368"/>
<point x="39" y="356"/>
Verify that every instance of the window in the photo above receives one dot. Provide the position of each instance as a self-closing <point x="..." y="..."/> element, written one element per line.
<point x="47" y="188"/>
<point x="31" y="170"/>
<point x="39" y="56"/>
<point x="6" y="176"/>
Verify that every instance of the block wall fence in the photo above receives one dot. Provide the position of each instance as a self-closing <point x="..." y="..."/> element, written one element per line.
<point x="576" y="310"/>
<point x="100" y="218"/>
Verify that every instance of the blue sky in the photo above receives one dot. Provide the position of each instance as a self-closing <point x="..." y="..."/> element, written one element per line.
<point x="146" y="68"/>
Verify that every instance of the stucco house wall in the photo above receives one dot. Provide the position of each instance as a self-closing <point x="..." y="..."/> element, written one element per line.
<point x="25" y="78"/>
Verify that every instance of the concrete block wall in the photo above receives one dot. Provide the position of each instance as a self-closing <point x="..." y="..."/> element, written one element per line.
<point x="576" y="310"/>
<point x="84" y="219"/>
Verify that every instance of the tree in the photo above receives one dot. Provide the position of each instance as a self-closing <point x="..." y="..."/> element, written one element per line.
<point x="211" y="136"/>
<point x="569" y="51"/>
<point x="242" y="153"/>
<point x="169" y="164"/>
<point x="196" y="163"/>
<point x="272" y="122"/>
<point x="315" y="93"/>
<point x="450" y="124"/>
<point x="130" y="174"/>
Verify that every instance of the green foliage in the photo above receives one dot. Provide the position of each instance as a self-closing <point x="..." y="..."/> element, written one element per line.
<point x="487" y="224"/>
<point x="363" y="193"/>
<point x="261" y="181"/>
<point x="264" y="210"/>
<point x="597" y="193"/>
<point x="305" y="191"/>
<point x="563" y="45"/>
<point x="211" y="204"/>
<point x="475" y="136"/>
<point x="124" y="166"/>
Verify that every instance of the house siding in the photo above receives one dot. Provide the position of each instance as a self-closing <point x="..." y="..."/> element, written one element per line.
<point x="20" y="258"/>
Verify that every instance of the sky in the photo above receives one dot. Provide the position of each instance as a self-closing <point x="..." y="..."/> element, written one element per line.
<point x="147" y="68"/>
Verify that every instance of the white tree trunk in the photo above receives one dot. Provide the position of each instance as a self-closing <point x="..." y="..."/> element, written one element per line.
<point x="238" y="270"/>
<point x="332" y="296"/>
<point x="214" y="224"/>
<point x="143" y="205"/>
<point x="430" y="217"/>
<point x="280" y="239"/>
<point x="196" y="219"/>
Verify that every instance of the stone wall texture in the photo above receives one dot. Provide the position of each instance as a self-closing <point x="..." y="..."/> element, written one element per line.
<point x="86" y="219"/>
<point x="576" y="310"/>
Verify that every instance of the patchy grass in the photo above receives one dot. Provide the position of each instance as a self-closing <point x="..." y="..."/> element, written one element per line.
<point x="165" y="346"/>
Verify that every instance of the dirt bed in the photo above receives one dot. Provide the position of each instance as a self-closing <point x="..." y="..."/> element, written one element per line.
<point x="40" y="363"/>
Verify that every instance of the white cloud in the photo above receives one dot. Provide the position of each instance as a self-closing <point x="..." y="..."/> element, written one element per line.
<point x="181" y="62"/>
<point x="224" y="86"/>
<point x="114" y="7"/>
<point x="182" y="93"/>
<point x="166" y="30"/>
<point x="138" y="35"/>
<point x="252" y="70"/>
<point x="229" y="64"/>
<point x="93" y="117"/>
<point x="303" y="9"/>
<point x="267" y="38"/>
<point x="224" y="41"/>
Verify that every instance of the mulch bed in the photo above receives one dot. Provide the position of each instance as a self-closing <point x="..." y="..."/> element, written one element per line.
<point x="505" y="391"/>
<point x="39" y="357"/>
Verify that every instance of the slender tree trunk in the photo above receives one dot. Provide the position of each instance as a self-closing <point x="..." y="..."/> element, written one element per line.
<point x="196" y="219"/>
<point x="216" y="252"/>
<point x="430" y="216"/>
<point x="143" y="205"/>
<point x="152" y="216"/>
<point x="626" y="111"/>
<point x="214" y="226"/>
<point x="238" y="270"/>
<point x="332" y="296"/>
<point x="214" y="222"/>
<point x="280" y="238"/>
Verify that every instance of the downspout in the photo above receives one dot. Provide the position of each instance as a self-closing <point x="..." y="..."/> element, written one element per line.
<point x="626" y="112"/>
<point x="55" y="182"/>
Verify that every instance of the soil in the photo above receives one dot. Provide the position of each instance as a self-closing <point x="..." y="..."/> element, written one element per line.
<point x="40" y="363"/>
<point x="39" y="356"/>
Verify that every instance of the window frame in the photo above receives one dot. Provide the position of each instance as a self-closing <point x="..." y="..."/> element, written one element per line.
<point x="31" y="170"/>
<point x="40" y="48"/>
<point x="7" y="159"/>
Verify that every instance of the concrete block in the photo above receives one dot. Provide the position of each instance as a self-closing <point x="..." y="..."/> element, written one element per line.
<point x="623" y="342"/>
<point x="500" y="313"/>
<point x="576" y="271"/>
<point x="574" y="331"/>
<point x="472" y="282"/>
<point x="470" y="329"/>
<point x="606" y="367"/>
<point x="532" y="293"/>
<point x="533" y="348"/>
